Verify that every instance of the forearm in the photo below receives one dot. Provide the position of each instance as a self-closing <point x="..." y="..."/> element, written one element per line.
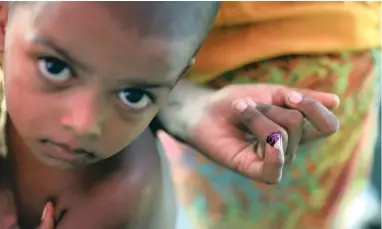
<point x="177" y="114"/>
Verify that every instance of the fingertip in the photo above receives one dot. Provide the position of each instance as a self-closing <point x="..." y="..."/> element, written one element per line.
<point x="241" y="105"/>
<point x="47" y="216"/>
<point x="274" y="139"/>
<point x="44" y="211"/>
<point x="336" y="101"/>
<point x="295" y="98"/>
<point x="275" y="150"/>
<point x="250" y="102"/>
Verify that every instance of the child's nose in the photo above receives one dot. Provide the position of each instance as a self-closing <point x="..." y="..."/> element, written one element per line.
<point x="83" y="116"/>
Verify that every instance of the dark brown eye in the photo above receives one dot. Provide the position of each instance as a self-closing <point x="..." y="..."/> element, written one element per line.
<point x="54" y="69"/>
<point x="136" y="98"/>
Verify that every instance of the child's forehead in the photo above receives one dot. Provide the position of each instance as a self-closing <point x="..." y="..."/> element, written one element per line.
<point x="154" y="24"/>
<point x="93" y="33"/>
<point x="150" y="18"/>
<point x="113" y="34"/>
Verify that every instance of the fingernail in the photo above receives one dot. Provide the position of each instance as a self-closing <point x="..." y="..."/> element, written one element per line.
<point x="250" y="102"/>
<point x="337" y="101"/>
<point x="44" y="212"/>
<point x="240" y="105"/>
<point x="274" y="139"/>
<point x="295" y="97"/>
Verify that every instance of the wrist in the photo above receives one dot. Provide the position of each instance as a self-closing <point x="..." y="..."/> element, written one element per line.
<point x="183" y="109"/>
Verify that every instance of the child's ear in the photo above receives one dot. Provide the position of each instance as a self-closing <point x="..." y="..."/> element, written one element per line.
<point x="3" y="23"/>
<point x="187" y="69"/>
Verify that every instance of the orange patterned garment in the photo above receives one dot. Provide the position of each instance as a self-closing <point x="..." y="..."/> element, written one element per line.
<point x="326" y="46"/>
<point x="247" y="32"/>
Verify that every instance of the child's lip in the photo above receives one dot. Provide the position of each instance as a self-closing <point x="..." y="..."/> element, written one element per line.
<point x="74" y="151"/>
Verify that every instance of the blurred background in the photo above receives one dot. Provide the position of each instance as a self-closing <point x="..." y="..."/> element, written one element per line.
<point x="325" y="46"/>
<point x="376" y="171"/>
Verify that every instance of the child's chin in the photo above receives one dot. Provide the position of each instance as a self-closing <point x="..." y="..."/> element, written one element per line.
<point x="61" y="164"/>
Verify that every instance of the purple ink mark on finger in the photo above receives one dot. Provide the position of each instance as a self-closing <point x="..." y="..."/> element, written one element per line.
<point x="273" y="138"/>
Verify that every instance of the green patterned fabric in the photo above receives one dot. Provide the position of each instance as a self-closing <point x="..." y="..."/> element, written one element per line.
<point x="325" y="174"/>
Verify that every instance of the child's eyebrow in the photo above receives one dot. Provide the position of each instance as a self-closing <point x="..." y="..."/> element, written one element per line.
<point x="60" y="51"/>
<point x="144" y="85"/>
<point x="130" y="82"/>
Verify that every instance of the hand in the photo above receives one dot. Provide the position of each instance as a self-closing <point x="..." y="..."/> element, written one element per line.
<point x="47" y="218"/>
<point x="219" y="131"/>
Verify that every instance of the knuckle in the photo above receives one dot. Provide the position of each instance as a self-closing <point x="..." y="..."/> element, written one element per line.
<point x="295" y="119"/>
<point x="251" y="116"/>
<point x="248" y="117"/>
<point x="241" y="168"/>
<point x="242" y="163"/>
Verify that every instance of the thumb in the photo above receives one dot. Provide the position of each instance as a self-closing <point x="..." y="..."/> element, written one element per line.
<point x="47" y="217"/>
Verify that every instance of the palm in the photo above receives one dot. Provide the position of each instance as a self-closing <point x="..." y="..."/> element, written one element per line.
<point x="217" y="121"/>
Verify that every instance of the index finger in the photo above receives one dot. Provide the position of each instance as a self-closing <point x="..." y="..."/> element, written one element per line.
<point x="47" y="218"/>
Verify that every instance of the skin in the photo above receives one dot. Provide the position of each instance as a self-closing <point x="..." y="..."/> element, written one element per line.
<point x="100" y="97"/>
<point x="240" y="134"/>
<point x="79" y="112"/>
<point x="82" y="105"/>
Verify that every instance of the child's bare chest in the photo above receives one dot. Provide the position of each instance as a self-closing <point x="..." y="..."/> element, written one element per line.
<point x="100" y="207"/>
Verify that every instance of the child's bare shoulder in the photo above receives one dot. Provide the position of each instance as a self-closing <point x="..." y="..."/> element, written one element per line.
<point x="157" y="205"/>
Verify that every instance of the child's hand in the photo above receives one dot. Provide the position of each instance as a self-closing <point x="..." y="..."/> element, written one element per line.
<point x="47" y="217"/>
<point x="220" y="132"/>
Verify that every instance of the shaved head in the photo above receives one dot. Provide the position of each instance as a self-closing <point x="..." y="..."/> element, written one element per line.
<point x="186" y="21"/>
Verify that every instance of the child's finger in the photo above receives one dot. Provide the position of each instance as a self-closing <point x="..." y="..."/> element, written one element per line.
<point x="280" y="95"/>
<point x="267" y="170"/>
<point x="268" y="133"/>
<point x="256" y="122"/>
<point x="329" y="100"/>
<point x="47" y="217"/>
<point x="272" y="167"/>
<point x="322" y="122"/>
<point x="291" y="120"/>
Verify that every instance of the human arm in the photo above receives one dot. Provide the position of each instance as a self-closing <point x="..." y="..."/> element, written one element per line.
<point x="204" y="118"/>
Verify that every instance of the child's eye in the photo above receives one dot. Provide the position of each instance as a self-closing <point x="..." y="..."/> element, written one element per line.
<point x="54" y="69"/>
<point x="136" y="98"/>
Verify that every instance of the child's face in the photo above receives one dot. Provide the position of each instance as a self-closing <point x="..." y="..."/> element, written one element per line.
<point x="76" y="75"/>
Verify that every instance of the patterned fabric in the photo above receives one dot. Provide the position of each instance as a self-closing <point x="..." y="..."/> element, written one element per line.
<point x="251" y="31"/>
<point x="325" y="174"/>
